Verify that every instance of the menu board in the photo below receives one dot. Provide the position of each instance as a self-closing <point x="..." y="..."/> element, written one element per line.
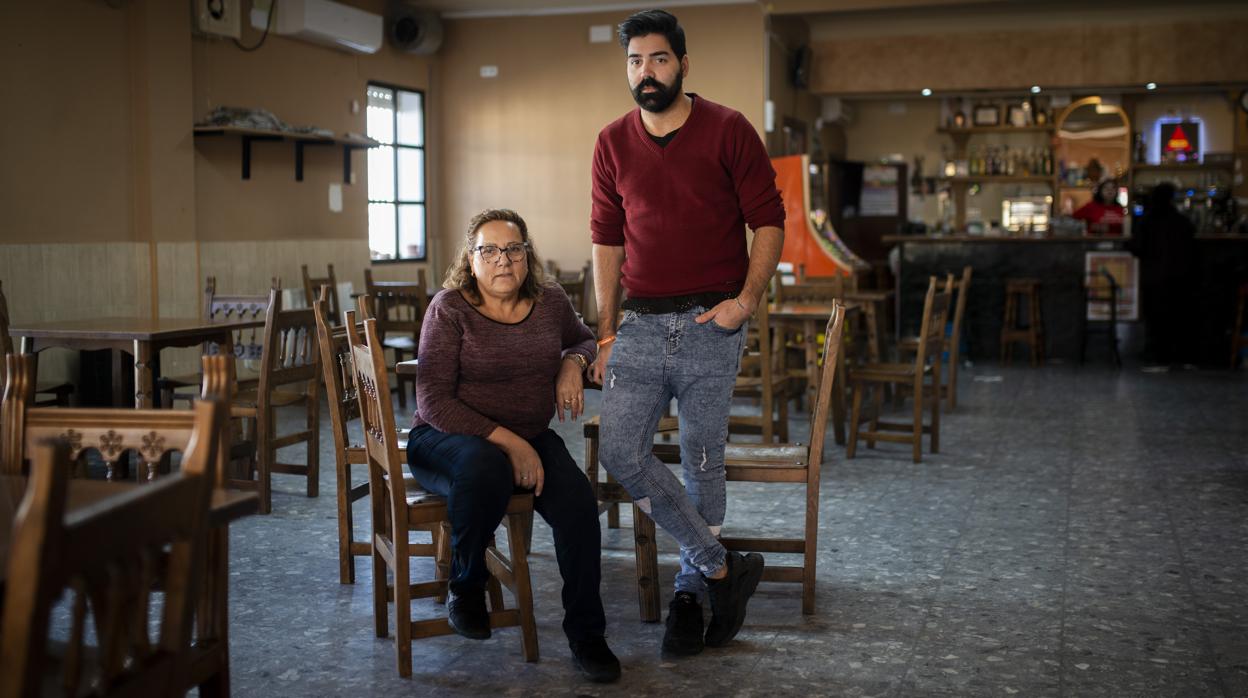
<point x="879" y="191"/>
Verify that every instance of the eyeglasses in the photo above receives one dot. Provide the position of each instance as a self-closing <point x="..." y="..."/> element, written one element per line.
<point x="516" y="251"/>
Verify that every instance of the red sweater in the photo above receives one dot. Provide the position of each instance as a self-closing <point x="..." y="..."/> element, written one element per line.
<point x="680" y="211"/>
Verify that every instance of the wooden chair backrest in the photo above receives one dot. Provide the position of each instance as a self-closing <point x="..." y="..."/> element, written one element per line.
<point x="112" y="554"/>
<point x="336" y="368"/>
<point x="312" y="286"/>
<point x="932" y="328"/>
<point x="234" y="307"/>
<point x="113" y="433"/>
<point x="290" y="353"/>
<point x="398" y="307"/>
<point x="381" y="442"/>
<point x="831" y="348"/>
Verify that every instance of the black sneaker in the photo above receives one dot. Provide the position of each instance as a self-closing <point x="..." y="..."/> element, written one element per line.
<point x="468" y="616"/>
<point x="684" y="626"/>
<point x="595" y="660"/>
<point x="729" y="596"/>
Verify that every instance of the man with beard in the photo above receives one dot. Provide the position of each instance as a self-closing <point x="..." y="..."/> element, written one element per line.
<point x="675" y="183"/>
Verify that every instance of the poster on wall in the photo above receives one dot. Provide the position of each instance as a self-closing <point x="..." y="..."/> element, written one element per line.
<point x="1125" y="269"/>
<point x="1180" y="142"/>
<point x="879" y="191"/>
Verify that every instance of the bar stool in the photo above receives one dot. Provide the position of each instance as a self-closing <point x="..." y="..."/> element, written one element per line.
<point x="1100" y="290"/>
<point x="1026" y="290"/>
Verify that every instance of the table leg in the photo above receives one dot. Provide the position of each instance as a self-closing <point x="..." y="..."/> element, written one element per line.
<point x="142" y="374"/>
<point x="873" y="332"/>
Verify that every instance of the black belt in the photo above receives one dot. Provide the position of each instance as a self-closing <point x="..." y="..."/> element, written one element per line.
<point x="676" y="304"/>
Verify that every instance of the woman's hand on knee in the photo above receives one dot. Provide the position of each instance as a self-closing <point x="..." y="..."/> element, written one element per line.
<point x="526" y="468"/>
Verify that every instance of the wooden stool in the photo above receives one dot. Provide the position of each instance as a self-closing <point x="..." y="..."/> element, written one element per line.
<point x="1011" y="331"/>
<point x="1238" y="340"/>
<point x="1100" y="289"/>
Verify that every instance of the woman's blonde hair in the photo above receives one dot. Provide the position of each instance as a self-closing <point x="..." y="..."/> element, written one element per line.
<point x="459" y="274"/>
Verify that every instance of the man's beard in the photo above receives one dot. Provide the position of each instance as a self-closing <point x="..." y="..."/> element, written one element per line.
<point x="662" y="97"/>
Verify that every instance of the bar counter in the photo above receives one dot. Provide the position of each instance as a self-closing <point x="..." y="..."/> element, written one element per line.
<point x="1058" y="262"/>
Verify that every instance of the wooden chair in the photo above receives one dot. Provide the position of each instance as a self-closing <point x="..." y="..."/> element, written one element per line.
<point x="399" y="308"/>
<point x="765" y="462"/>
<point x="60" y="392"/>
<point x="914" y="375"/>
<point x="792" y="463"/>
<point x="110" y="556"/>
<point x="344" y="408"/>
<point x="289" y="377"/>
<point x="312" y="288"/>
<point x="397" y="509"/>
<point x="115" y="434"/>
<point x="224" y="308"/>
<point x="1238" y="340"/>
<point x="909" y="345"/>
<point x="763" y="378"/>
<point x="1101" y="289"/>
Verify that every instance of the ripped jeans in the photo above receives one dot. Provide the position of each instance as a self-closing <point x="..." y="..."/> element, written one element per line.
<point x="657" y="357"/>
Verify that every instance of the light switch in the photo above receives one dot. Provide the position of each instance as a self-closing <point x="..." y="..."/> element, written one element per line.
<point x="489" y="71"/>
<point x="335" y="197"/>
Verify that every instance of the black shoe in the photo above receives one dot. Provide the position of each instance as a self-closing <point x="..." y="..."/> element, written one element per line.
<point x="729" y="596"/>
<point x="595" y="660"/>
<point x="684" y="626"/>
<point x="468" y="616"/>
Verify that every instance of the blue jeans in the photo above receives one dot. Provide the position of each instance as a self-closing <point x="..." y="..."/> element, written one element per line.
<point x="657" y="357"/>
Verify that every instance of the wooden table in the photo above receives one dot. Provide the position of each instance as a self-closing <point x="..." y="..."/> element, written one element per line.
<point x="813" y="319"/>
<point x="143" y="337"/>
<point x="210" y="655"/>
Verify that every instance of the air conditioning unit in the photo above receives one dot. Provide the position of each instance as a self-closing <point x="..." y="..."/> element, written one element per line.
<point x="326" y="23"/>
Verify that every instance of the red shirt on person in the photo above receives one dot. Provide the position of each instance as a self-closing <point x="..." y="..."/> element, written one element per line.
<point x="680" y="210"/>
<point x="1103" y="219"/>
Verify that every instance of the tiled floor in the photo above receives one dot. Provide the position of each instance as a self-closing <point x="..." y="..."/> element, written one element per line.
<point x="1082" y="533"/>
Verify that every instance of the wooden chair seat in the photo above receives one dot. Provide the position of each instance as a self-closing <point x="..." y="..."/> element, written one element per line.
<point x="250" y="399"/>
<point x="886" y="372"/>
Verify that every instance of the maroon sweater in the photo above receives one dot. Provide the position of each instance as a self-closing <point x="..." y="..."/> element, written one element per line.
<point x="680" y="211"/>
<point x="477" y="373"/>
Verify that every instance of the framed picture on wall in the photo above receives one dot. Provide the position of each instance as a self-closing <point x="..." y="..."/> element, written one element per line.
<point x="986" y="115"/>
<point x="1017" y="115"/>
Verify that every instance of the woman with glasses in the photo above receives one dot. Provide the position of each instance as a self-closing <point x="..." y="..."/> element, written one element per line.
<point x="501" y="352"/>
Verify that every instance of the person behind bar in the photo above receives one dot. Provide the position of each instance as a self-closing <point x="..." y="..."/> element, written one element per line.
<point x="1165" y="242"/>
<point x="501" y="352"/>
<point x="675" y="183"/>
<point x="1103" y="214"/>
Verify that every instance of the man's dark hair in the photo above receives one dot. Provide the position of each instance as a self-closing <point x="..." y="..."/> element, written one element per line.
<point x="654" y="22"/>
<point x="1161" y="197"/>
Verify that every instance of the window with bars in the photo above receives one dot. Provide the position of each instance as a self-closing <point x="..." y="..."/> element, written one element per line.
<point x="396" y="174"/>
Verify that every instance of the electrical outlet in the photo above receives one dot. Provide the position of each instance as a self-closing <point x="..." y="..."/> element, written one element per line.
<point x="218" y="18"/>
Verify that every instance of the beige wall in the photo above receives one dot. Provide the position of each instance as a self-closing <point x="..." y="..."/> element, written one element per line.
<point x="1021" y="46"/>
<point x="525" y="139"/>
<point x="786" y="35"/>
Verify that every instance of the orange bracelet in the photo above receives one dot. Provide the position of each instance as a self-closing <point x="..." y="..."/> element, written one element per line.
<point x="605" y="341"/>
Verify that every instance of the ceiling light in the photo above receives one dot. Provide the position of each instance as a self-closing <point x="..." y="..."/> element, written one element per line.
<point x="1035" y="89"/>
<point x="1151" y="86"/>
<point x="926" y="92"/>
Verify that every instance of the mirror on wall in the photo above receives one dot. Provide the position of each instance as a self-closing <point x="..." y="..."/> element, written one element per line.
<point x="1093" y="144"/>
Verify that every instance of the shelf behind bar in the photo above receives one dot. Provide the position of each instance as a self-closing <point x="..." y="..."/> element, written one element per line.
<point x="999" y="179"/>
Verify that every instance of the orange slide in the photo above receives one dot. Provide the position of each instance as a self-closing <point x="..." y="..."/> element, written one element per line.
<point x="821" y="250"/>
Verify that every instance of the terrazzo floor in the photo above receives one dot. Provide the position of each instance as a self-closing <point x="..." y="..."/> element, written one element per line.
<point x="1081" y="533"/>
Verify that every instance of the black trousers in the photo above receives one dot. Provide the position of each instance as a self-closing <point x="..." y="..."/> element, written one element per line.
<point x="475" y="476"/>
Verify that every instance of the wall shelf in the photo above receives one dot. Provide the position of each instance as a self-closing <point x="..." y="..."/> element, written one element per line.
<point x="247" y="136"/>
<point x="969" y="130"/>
<point x="1001" y="179"/>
